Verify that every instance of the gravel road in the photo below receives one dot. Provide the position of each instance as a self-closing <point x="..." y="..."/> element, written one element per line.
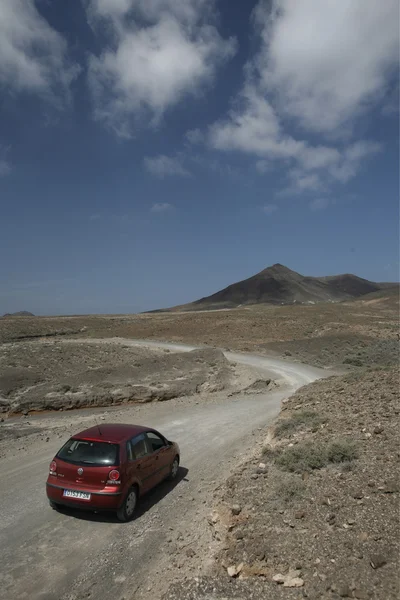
<point x="47" y="555"/>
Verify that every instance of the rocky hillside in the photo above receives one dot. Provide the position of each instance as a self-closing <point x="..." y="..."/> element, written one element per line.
<point x="314" y="514"/>
<point x="280" y="285"/>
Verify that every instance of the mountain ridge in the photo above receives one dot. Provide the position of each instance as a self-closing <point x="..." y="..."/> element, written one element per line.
<point x="279" y="285"/>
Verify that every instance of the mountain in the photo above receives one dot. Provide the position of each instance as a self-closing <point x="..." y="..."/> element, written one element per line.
<point x="280" y="285"/>
<point x="21" y="313"/>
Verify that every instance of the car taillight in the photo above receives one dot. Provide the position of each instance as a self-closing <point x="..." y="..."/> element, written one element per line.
<point x="114" y="475"/>
<point x="53" y="467"/>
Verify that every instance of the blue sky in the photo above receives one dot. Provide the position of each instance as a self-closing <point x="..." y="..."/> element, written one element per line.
<point x="154" y="151"/>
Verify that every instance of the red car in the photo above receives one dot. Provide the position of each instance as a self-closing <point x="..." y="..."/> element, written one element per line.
<point x="110" y="467"/>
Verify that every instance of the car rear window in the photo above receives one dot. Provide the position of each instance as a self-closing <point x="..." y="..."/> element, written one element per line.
<point x="87" y="452"/>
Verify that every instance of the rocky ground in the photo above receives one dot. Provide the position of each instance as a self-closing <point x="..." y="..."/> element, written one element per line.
<point x="65" y="374"/>
<point x="315" y="512"/>
<point x="362" y="331"/>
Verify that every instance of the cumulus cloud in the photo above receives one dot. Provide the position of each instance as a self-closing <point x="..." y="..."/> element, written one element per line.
<point x="158" y="52"/>
<point x="321" y="65"/>
<point x="160" y="207"/>
<point x="327" y="61"/>
<point x="33" y="56"/>
<point x="254" y="127"/>
<point x="162" y="166"/>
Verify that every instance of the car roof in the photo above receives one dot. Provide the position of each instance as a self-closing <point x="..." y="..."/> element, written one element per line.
<point x="112" y="432"/>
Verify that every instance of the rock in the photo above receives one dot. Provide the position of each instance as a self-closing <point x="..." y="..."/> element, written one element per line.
<point x="344" y="591"/>
<point x="361" y="594"/>
<point x="299" y="514"/>
<point x="391" y="488"/>
<point x="279" y="578"/>
<point x="254" y="476"/>
<point x="378" y="429"/>
<point x="331" y="518"/>
<point x="295" y="582"/>
<point x="358" y="495"/>
<point x="236" y="509"/>
<point x="293" y="573"/>
<point x="260" y="471"/>
<point x="234" y="571"/>
<point x="239" y="535"/>
<point x="377" y="561"/>
<point x="190" y="553"/>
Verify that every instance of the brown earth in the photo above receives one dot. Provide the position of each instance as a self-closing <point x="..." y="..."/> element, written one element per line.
<point x="325" y="334"/>
<point x="338" y="533"/>
<point x="67" y="374"/>
<point x="318" y="506"/>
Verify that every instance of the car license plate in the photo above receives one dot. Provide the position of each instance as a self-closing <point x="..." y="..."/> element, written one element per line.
<point x="77" y="495"/>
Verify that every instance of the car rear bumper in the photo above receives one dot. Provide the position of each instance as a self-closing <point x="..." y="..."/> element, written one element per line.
<point x="98" y="500"/>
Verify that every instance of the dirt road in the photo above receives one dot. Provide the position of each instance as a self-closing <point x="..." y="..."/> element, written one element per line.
<point x="46" y="555"/>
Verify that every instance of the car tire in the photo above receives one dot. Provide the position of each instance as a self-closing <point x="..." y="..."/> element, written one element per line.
<point x="127" y="509"/>
<point x="54" y="505"/>
<point x="174" y="469"/>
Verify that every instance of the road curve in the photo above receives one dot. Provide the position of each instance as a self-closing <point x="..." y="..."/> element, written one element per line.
<point x="46" y="555"/>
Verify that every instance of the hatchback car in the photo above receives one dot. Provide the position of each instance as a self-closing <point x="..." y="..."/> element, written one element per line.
<point x="108" y="467"/>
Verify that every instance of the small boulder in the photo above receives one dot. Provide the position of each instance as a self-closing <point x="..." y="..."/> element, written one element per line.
<point x="377" y="561"/>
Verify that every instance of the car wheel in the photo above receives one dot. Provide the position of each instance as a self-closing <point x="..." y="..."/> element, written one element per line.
<point x="174" y="469"/>
<point x="54" y="505"/>
<point x="127" y="510"/>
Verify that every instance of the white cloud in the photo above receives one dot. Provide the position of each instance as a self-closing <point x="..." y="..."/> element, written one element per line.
<point x="319" y="204"/>
<point x="268" y="209"/>
<point x="254" y="127"/>
<point x="159" y="51"/>
<point x="327" y="61"/>
<point x="162" y="166"/>
<point x="304" y="182"/>
<point x="160" y="207"/>
<point x="307" y="76"/>
<point x="352" y="159"/>
<point x="33" y="56"/>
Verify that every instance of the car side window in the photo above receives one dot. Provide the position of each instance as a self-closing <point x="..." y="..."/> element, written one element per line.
<point x="155" y="441"/>
<point x="138" y="447"/>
